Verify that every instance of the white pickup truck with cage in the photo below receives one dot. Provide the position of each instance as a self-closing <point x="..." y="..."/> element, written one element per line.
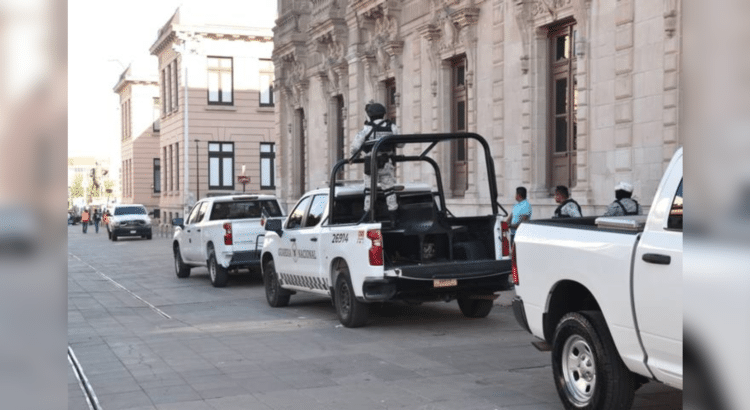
<point x="329" y="246"/>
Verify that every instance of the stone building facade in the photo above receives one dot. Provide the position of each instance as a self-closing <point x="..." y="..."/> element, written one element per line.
<point x="582" y="93"/>
<point x="216" y="106"/>
<point x="138" y="90"/>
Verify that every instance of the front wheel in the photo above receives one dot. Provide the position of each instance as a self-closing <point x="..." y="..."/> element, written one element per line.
<point x="588" y="370"/>
<point x="476" y="308"/>
<point x="219" y="275"/>
<point x="275" y="294"/>
<point x="351" y="312"/>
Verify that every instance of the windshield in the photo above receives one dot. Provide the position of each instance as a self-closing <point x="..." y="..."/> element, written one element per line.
<point x="244" y="210"/>
<point x="130" y="210"/>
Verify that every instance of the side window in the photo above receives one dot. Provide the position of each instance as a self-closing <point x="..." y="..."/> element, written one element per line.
<point x="674" y="221"/>
<point x="317" y="208"/>
<point x="295" y="218"/>
<point x="202" y="212"/>
<point x="193" y="214"/>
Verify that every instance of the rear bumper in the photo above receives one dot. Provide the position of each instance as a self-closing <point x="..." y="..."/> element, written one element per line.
<point x="455" y="270"/>
<point x="401" y="288"/>
<point x="245" y="258"/>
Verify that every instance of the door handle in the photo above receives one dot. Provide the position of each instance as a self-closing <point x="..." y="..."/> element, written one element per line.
<point x="188" y="230"/>
<point x="657" y="258"/>
<point x="292" y="239"/>
<point x="314" y="239"/>
<point x="197" y="230"/>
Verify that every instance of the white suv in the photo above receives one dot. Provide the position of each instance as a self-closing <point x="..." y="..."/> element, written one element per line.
<point x="129" y="220"/>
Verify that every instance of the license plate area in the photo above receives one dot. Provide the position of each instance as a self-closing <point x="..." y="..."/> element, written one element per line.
<point x="132" y="231"/>
<point x="444" y="283"/>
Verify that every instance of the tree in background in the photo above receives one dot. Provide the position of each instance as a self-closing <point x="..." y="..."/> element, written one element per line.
<point x="76" y="189"/>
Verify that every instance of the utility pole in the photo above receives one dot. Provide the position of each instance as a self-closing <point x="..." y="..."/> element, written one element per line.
<point x="197" y="172"/>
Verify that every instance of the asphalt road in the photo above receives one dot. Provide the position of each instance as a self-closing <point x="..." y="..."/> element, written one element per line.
<point x="145" y="339"/>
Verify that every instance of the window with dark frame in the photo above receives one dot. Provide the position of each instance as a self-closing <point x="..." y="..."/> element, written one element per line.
<point x="168" y="89"/>
<point x="157" y="175"/>
<point x="163" y="90"/>
<point x="459" y="160"/>
<point x="175" y="88"/>
<point x="171" y="170"/>
<point x="674" y="221"/>
<point x="220" y="165"/>
<point x="177" y="166"/>
<point x="267" y="165"/>
<point x="563" y="105"/>
<point x="266" y="76"/>
<point x="220" y="88"/>
<point x="390" y="99"/>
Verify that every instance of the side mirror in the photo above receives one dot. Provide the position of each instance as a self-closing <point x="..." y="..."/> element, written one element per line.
<point x="151" y="213"/>
<point x="274" y="225"/>
<point x="178" y="222"/>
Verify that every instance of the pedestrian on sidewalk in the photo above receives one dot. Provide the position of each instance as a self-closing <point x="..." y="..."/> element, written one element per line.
<point x="85" y="220"/>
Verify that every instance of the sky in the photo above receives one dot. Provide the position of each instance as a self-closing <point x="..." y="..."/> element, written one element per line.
<point x="104" y="37"/>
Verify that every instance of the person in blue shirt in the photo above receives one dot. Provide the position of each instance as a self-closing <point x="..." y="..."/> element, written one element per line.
<point x="521" y="211"/>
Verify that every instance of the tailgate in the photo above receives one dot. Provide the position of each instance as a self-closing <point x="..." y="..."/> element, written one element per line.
<point x="247" y="235"/>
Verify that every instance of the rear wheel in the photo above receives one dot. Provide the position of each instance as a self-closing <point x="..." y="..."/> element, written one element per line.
<point x="352" y="313"/>
<point x="219" y="275"/>
<point x="275" y="294"/>
<point x="181" y="270"/>
<point x="114" y="237"/>
<point x="476" y="308"/>
<point x="587" y="368"/>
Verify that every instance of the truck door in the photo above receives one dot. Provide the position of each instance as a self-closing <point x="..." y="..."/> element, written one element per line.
<point x="287" y="260"/>
<point x="193" y="251"/>
<point x="309" y="261"/>
<point x="657" y="286"/>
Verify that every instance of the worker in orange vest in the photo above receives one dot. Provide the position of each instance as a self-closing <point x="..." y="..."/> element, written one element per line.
<point x="85" y="220"/>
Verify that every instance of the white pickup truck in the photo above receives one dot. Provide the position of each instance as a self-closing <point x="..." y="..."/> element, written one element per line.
<point x="605" y="295"/>
<point x="222" y="233"/>
<point x="329" y="246"/>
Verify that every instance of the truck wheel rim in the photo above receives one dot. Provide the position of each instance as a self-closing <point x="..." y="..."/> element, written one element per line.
<point x="271" y="287"/>
<point x="579" y="370"/>
<point x="176" y="261"/>
<point x="345" y="300"/>
<point x="212" y="270"/>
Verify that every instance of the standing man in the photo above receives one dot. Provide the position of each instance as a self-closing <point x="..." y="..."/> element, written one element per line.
<point x="521" y="211"/>
<point x="373" y="130"/>
<point x="96" y="218"/>
<point x="85" y="220"/>
<point x="623" y="203"/>
<point x="568" y="207"/>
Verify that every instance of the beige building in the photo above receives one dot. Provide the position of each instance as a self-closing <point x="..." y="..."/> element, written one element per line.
<point x="582" y="93"/>
<point x="139" y="90"/>
<point x="225" y="127"/>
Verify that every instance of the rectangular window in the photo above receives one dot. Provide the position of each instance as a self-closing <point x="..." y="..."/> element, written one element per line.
<point x="390" y="99"/>
<point x="220" y="89"/>
<point x="157" y="175"/>
<point x="562" y="120"/>
<point x="266" y="83"/>
<point x="168" y="89"/>
<point x="163" y="90"/>
<point x="171" y="170"/>
<point x="177" y="166"/>
<point x="220" y="165"/>
<point x="175" y="83"/>
<point x="459" y="160"/>
<point x="674" y="221"/>
<point x="267" y="165"/>
<point x="166" y="167"/>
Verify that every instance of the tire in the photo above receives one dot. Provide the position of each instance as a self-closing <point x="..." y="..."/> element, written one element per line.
<point x="181" y="270"/>
<point x="148" y="236"/>
<point x="109" y="234"/>
<point x="351" y="312"/>
<point x="114" y="237"/>
<point x="475" y="308"/>
<point x="275" y="294"/>
<point x="218" y="274"/>
<point x="587" y="369"/>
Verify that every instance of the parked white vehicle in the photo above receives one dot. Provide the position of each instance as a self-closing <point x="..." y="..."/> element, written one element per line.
<point x="128" y="220"/>
<point x="329" y="246"/>
<point x="605" y="294"/>
<point x="222" y="233"/>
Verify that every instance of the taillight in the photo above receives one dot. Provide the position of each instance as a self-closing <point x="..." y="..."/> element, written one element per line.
<point x="514" y="266"/>
<point x="227" y="233"/>
<point x="505" y="238"/>
<point x="376" y="251"/>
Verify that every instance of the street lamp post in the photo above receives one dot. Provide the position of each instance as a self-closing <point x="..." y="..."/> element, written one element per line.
<point x="197" y="171"/>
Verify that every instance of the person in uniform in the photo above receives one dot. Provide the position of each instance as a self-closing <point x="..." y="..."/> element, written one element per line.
<point x="623" y="204"/>
<point x="568" y="207"/>
<point x="374" y="129"/>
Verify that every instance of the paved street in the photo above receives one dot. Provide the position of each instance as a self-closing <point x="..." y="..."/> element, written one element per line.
<point x="148" y="340"/>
